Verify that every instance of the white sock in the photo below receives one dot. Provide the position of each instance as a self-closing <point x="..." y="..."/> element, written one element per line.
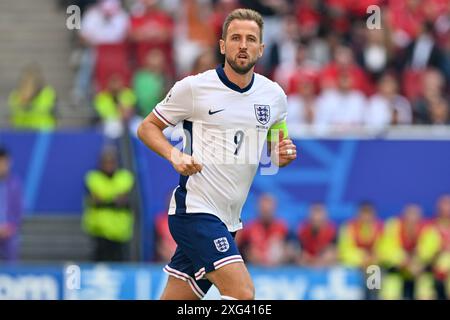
<point x="227" y="298"/>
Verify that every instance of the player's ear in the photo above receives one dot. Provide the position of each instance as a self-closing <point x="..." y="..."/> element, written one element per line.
<point x="222" y="46"/>
<point x="261" y="50"/>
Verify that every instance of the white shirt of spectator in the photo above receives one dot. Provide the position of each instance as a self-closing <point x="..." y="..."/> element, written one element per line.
<point x="380" y="111"/>
<point x="339" y="110"/>
<point x="99" y="30"/>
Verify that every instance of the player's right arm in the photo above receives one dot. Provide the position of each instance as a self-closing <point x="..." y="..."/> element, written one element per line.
<point x="150" y="133"/>
<point x="174" y="108"/>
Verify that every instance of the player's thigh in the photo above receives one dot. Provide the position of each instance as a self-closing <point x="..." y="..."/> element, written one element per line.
<point x="177" y="289"/>
<point x="233" y="280"/>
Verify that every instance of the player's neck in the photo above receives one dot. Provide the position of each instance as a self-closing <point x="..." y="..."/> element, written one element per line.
<point x="241" y="80"/>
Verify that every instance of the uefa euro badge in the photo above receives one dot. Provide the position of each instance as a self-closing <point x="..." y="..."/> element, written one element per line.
<point x="222" y="244"/>
<point x="262" y="113"/>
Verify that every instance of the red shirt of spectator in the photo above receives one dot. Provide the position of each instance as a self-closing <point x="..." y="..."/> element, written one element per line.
<point x="308" y="16"/>
<point x="411" y="225"/>
<point x="344" y="64"/>
<point x="152" y="29"/>
<point x="314" y="240"/>
<point x="263" y="240"/>
<point x="366" y="229"/>
<point x="165" y="244"/>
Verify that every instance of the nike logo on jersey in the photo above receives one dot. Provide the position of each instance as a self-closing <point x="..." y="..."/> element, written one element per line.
<point x="212" y="112"/>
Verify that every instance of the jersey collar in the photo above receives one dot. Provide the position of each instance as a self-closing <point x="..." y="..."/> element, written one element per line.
<point x="223" y="77"/>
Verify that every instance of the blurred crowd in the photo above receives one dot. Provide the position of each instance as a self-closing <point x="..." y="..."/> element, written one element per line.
<point x="342" y="68"/>
<point x="412" y="251"/>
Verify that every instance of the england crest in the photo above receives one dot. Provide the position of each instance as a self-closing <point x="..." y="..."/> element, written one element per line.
<point x="222" y="244"/>
<point x="262" y="113"/>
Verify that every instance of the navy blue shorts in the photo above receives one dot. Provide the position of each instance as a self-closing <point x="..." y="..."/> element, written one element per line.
<point x="204" y="244"/>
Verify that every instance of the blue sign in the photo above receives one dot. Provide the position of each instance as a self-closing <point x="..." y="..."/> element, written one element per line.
<point x="52" y="166"/>
<point x="114" y="282"/>
<point x="146" y="282"/>
<point x="31" y="283"/>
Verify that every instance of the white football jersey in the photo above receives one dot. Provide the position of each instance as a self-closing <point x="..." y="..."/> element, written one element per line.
<point x="225" y="130"/>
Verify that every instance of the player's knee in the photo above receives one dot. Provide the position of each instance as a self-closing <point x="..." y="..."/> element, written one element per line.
<point x="244" y="292"/>
<point x="247" y="293"/>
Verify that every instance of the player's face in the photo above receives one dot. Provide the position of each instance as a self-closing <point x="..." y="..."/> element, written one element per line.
<point x="242" y="46"/>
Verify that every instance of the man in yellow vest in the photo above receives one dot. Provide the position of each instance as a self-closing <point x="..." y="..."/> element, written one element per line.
<point x="108" y="217"/>
<point x="398" y="253"/>
<point x="434" y="249"/>
<point x="32" y="103"/>
<point x="115" y="105"/>
<point x="358" y="242"/>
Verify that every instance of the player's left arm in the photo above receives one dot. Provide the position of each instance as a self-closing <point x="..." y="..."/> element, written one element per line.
<point x="282" y="150"/>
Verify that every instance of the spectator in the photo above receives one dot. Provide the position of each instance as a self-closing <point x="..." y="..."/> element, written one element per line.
<point x="376" y="54"/>
<point x="206" y="60"/>
<point x="165" y="245"/>
<point x="105" y="23"/>
<point x="149" y="83"/>
<point x="439" y="112"/>
<point x="309" y="16"/>
<point x="32" y="103"/>
<point x="108" y="217"/>
<point x="10" y="210"/>
<point x="423" y="52"/>
<point x="359" y="239"/>
<point x="343" y="63"/>
<point x="433" y="86"/>
<point x="152" y="28"/>
<point x="302" y="105"/>
<point x="221" y="8"/>
<point x="317" y="239"/>
<point x="263" y="242"/>
<point x="434" y="248"/>
<point x="405" y="18"/>
<point x="199" y="28"/>
<point x="399" y="254"/>
<point x="283" y="52"/>
<point x="341" y="109"/>
<point x="387" y="107"/>
<point x="288" y="73"/>
<point x="116" y="107"/>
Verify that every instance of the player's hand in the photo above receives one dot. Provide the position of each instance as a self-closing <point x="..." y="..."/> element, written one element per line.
<point x="185" y="164"/>
<point x="285" y="152"/>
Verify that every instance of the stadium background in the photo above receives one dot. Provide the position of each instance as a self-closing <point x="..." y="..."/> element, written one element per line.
<point x="391" y="164"/>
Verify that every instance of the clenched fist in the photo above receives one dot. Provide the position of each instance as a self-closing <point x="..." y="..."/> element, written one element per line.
<point x="185" y="164"/>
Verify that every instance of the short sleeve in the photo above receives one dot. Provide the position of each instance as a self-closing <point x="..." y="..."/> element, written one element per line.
<point x="177" y="105"/>
<point x="280" y="120"/>
<point x="282" y="105"/>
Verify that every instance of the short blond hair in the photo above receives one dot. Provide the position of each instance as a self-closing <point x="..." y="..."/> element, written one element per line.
<point x="243" y="14"/>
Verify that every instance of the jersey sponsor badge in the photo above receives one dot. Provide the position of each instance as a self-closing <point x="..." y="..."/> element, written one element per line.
<point x="222" y="244"/>
<point x="262" y="113"/>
